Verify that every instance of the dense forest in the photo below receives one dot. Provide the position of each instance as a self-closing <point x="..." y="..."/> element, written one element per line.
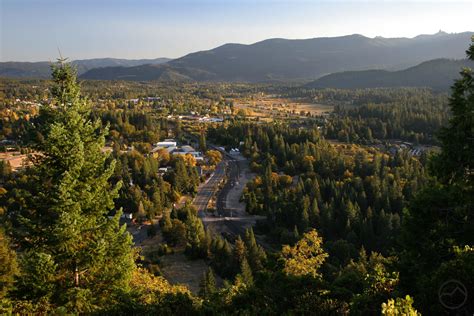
<point x="410" y="118"/>
<point x="348" y="228"/>
<point x="346" y="192"/>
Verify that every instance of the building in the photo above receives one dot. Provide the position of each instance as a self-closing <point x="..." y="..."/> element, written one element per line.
<point x="167" y="143"/>
<point x="188" y="150"/>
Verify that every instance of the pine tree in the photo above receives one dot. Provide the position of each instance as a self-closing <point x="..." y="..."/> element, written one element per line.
<point x="195" y="236"/>
<point x="207" y="287"/>
<point x="8" y="265"/>
<point x="304" y="218"/>
<point x="314" y="214"/>
<point x="202" y="142"/>
<point x="455" y="162"/>
<point x="240" y="252"/>
<point x="246" y="273"/>
<point x="256" y="254"/>
<point x="68" y="197"/>
<point x="141" y="213"/>
<point x="165" y="222"/>
<point x="440" y="218"/>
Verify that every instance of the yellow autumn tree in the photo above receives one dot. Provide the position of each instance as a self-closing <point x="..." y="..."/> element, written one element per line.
<point x="306" y="257"/>
<point x="399" y="307"/>
<point x="214" y="157"/>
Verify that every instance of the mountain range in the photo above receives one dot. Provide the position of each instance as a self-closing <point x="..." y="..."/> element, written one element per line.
<point x="280" y="60"/>
<point x="42" y="69"/>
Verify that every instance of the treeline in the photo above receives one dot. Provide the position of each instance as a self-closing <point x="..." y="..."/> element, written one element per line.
<point x="356" y="96"/>
<point x="366" y="116"/>
<point x="413" y="118"/>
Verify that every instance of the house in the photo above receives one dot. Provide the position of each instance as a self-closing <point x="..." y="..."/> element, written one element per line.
<point x="188" y="150"/>
<point x="167" y="143"/>
<point x="164" y="170"/>
<point x="168" y="149"/>
<point x="196" y="154"/>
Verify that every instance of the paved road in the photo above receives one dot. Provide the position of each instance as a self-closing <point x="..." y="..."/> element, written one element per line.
<point x="207" y="190"/>
<point x="234" y="222"/>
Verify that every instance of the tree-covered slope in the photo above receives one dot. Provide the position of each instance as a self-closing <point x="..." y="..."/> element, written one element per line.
<point x="437" y="74"/>
<point x="42" y="69"/>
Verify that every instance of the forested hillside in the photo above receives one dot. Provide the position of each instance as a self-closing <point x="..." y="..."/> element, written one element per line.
<point x="437" y="74"/>
<point x="41" y="69"/>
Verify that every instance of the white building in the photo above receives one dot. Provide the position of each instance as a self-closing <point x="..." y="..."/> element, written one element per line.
<point x="167" y="143"/>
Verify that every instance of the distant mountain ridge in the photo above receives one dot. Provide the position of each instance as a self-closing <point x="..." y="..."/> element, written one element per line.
<point x="438" y="74"/>
<point x="283" y="59"/>
<point x="270" y="60"/>
<point x="42" y="69"/>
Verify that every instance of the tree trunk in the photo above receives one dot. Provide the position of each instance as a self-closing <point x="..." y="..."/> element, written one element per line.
<point x="76" y="276"/>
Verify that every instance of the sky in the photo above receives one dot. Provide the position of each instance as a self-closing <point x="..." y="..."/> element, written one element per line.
<point x="35" y="30"/>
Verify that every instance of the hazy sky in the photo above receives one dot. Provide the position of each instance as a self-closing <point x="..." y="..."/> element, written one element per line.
<point x="32" y="30"/>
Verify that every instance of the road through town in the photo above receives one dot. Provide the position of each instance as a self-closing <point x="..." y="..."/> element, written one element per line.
<point x="230" y="217"/>
<point x="208" y="189"/>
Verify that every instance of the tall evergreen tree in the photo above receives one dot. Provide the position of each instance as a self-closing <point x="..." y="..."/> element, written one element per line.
<point x="62" y="212"/>
<point x="246" y="273"/>
<point x="240" y="252"/>
<point x="8" y="265"/>
<point x="202" y="142"/>
<point x="207" y="287"/>
<point x="441" y="217"/>
<point x="255" y="253"/>
<point x="196" y="245"/>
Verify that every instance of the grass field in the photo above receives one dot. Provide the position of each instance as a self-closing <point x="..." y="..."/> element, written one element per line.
<point x="178" y="269"/>
<point x="15" y="159"/>
<point x="272" y="107"/>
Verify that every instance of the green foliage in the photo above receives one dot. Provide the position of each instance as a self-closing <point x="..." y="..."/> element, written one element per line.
<point x="399" y="307"/>
<point x="440" y="219"/>
<point x="246" y="273"/>
<point x="207" y="287"/>
<point x="70" y="246"/>
<point x="196" y="244"/>
<point x="410" y="117"/>
<point x="153" y="295"/>
<point x="367" y="282"/>
<point x="202" y="142"/>
<point x="8" y="265"/>
<point x="255" y="253"/>
<point x="39" y="274"/>
<point x="346" y="192"/>
<point x="455" y="162"/>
